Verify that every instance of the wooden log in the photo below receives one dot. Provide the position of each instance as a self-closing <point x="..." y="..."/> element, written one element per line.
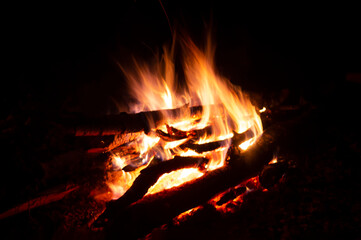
<point x="176" y="134"/>
<point x="237" y="139"/>
<point x="232" y="194"/>
<point x="128" y="122"/>
<point x="44" y="199"/>
<point x="149" y="177"/>
<point x="154" y="210"/>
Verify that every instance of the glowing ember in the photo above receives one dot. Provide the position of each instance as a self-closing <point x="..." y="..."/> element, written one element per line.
<point x="246" y="144"/>
<point x="235" y="196"/>
<point x="262" y="110"/>
<point x="185" y="215"/>
<point x="174" y="179"/>
<point x="225" y="111"/>
<point x="273" y="161"/>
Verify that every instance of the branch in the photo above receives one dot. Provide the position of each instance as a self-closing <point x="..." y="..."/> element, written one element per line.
<point x="154" y="210"/>
<point x="128" y="122"/>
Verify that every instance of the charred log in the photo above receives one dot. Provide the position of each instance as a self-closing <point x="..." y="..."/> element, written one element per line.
<point x="168" y="137"/>
<point x="272" y="173"/>
<point x="42" y="200"/>
<point x="232" y="194"/>
<point x="237" y="139"/>
<point x="127" y="122"/>
<point x="149" y="177"/>
<point x="176" y="134"/>
<point x="153" y="210"/>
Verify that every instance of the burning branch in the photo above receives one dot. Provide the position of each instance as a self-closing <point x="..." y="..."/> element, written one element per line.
<point x="237" y="139"/>
<point x="155" y="209"/>
<point x="149" y="177"/>
<point x="38" y="202"/>
<point x="128" y="122"/>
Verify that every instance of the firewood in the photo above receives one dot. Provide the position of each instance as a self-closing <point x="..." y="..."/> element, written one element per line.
<point x="153" y="210"/>
<point x="232" y="194"/>
<point x="128" y="122"/>
<point x="149" y="177"/>
<point x="176" y="134"/>
<point x="272" y="173"/>
<point x="39" y="201"/>
<point x="168" y="137"/>
<point x="237" y="139"/>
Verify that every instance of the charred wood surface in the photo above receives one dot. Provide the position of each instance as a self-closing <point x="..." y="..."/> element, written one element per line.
<point x="153" y="210"/>
<point x="149" y="177"/>
<point x="127" y="122"/>
<point x="237" y="139"/>
<point x="39" y="201"/>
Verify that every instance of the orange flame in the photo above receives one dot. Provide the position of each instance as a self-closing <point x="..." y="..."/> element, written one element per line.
<point x="154" y="87"/>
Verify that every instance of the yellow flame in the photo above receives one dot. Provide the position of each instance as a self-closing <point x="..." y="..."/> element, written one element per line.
<point x="225" y="109"/>
<point x="175" y="178"/>
<point x="246" y="144"/>
<point x="274" y="160"/>
<point x="262" y="109"/>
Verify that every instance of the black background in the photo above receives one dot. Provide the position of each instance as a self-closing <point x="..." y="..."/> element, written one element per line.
<point x="65" y="56"/>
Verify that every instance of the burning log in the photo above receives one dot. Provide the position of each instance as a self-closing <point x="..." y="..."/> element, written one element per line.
<point x="272" y="173"/>
<point x="237" y="139"/>
<point x="176" y="134"/>
<point x="149" y="177"/>
<point x="232" y="194"/>
<point x="127" y="122"/>
<point x="39" y="201"/>
<point x="153" y="210"/>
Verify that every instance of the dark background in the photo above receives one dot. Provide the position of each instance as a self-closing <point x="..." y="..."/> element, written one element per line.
<point x="65" y="56"/>
<point x="60" y="59"/>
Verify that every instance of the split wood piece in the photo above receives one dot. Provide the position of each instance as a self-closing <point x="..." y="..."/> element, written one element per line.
<point x="156" y="209"/>
<point x="148" y="177"/>
<point x="176" y="134"/>
<point x="237" y="139"/>
<point x="127" y="122"/>
<point x="39" y="201"/>
<point x="168" y="137"/>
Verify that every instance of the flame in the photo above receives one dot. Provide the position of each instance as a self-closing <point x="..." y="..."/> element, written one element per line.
<point x="175" y="178"/>
<point x="246" y="144"/>
<point x="228" y="206"/>
<point x="262" y="109"/>
<point x="185" y="215"/>
<point x="225" y="109"/>
<point x="274" y="160"/>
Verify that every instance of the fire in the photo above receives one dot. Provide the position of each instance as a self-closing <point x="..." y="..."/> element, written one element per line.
<point x="225" y="110"/>
<point x="174" y="179"/>
<point x="225" y="202"/>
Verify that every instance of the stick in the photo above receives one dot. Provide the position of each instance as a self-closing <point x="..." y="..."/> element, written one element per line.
<point x="127" y="122"/>
<point x="237" y="139"/>
<point x="154" y="210"/>
<point x="149" y="177"/>
<point x="37" y="202"/>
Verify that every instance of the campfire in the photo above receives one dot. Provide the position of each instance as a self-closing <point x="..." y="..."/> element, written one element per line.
<point x="211" y="116"/>
<point x="190" y="143"/>
<point x="182" y="145"/>
<point x="105" y="137"/>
